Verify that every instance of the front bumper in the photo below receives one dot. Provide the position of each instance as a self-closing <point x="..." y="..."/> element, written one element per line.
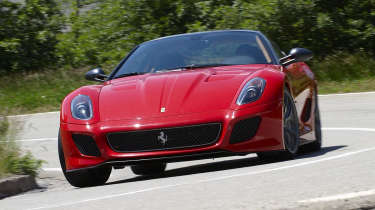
<point x="267" y="137"/>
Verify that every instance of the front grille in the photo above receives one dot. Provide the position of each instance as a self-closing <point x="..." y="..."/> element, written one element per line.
<point x="244" y="130"/>
<point x="86" y="145"/>
<point x="165" y="138"/>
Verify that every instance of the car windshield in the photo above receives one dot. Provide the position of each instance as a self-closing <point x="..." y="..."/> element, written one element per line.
<point x="196" y="50"/>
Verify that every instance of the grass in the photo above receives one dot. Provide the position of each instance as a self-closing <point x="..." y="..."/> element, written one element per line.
<point x="42" y="91"/>
<point x="38" y="91"/>
<point x="345" y="72"/>
<point x="344" y="67"/>
<point x="11" y="159"/>
<point x="347" y="86"/>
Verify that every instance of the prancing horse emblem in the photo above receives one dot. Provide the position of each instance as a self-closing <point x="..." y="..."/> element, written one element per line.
<point x="162" y="138"/>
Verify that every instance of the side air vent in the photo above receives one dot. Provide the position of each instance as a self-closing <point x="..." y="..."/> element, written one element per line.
<point x="244" y="130"/>
<point x="86" y="145"/>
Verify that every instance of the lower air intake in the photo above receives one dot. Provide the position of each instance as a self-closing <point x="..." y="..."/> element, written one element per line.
<point x="86" y="145"/>
<point x="244" y="130"/>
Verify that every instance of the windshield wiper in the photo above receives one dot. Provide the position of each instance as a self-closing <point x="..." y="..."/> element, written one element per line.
<point x="196" y="66"/>
<point x="129" y="74"/>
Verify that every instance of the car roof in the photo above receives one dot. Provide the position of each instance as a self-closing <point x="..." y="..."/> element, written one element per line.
<point x="204" y="32"/>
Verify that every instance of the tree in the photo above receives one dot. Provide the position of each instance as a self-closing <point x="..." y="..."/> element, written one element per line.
<point x="28" y="34"/>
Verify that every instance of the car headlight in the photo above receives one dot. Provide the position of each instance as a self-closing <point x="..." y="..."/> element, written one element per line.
<point x="251" y="91"/>
<point x="81" y="107"/>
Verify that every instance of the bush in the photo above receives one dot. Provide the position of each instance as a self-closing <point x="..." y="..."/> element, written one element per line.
<point x="102" y="32"/>
<point x="28" y="34"/>
<point x="105" y="31"/>
<point x="25" y="164"/>
<point x="344" y="66"/>
<point x="11" y="160"/>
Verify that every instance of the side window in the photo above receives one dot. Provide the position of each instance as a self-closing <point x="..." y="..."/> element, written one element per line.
<point x="276" y="48"/>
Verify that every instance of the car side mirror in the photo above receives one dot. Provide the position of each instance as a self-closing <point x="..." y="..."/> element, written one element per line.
<point x="296" y="55"/>
<point x="96" y="74"/>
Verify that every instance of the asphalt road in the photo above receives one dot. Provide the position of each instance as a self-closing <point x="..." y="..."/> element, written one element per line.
<point x="341" y="176"/>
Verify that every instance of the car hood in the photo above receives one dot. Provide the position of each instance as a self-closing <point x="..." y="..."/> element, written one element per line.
<point x="172" y="93"/>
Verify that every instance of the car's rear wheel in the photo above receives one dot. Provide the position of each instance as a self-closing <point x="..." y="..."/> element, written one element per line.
<point x="85" y="177"/>
<point x="290" y="132"/>
<point x="149" y="168"/>
<point x="317" y="144"/>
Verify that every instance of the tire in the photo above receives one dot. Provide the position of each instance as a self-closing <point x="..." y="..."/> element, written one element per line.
<point x="84" y="177"/>
<point x="149" y="169"/>
<point x="317" y="144"/>
<point x="290" y="132"/>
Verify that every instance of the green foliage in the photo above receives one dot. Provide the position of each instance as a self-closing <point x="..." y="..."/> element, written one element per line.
<point x="102" y="32"/>
<point x="3" y="127"/>
<point x="28" y="34"/>
<point x="344" y="66"/>
<point x="26" y="164"/>
<point x="324" y="27"/>
<point x="11" y="161"/>
<point x="106" y="32"/>
<point x="347" y="86"/>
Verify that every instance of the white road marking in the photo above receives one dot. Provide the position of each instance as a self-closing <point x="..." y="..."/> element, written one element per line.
<point x="108" y="196"/>
<point x="41" y="139"/>
<point x="51" y="169"/>
<point x="340" y="197"/>
<point x="26" y="140"/>
<point x="208" y="180"/>
<point x="343" y="94"/>
<point x="350" y="129"/>
<point x="33" y="114"/>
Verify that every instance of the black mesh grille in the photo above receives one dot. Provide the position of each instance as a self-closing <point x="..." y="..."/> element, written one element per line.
<point x="86" y="145"/>
<point x="165" y="138"/>
<point x="244" y="130"/>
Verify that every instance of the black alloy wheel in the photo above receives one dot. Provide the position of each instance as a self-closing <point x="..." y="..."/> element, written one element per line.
<point x="290" y="132"/>
<point x="317" y="144"/>
<point x="291" y="125"/>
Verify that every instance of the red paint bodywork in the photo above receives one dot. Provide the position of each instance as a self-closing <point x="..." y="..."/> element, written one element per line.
<point x="190" y="97"/>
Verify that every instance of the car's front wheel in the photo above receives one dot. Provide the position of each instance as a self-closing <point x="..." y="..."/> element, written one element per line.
<point x="149" y="169"/>
<point x="84" y="177"/>
<point x="290" y="132"/>
<point x="317" y="144"/>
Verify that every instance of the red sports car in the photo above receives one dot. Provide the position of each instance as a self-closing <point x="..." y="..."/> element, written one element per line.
<point x="188" y="97"/>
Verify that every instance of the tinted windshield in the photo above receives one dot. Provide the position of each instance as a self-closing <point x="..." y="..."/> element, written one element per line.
<point x="200" y="49"/>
